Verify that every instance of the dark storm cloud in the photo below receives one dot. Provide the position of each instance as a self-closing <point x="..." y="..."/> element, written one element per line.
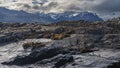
<point x="108" y="6"/>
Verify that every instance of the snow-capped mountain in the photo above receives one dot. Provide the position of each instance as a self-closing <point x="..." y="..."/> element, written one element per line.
<point x="73" y="16"/>
<point x="7" y="15"/>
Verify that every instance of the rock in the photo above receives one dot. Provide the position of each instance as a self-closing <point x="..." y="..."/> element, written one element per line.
<point x="64" y="60"/>
<point x="57" y="61"/>
<point x="114" y="65"/>
<point x="64" y="30"/>
<point x="17" y="60"/>
<point x="33" y="45"/>
<point x="32" y="30"/>
<point x="59" y="36"/>
<point x="8" y="39"/>
<point x="59" y="30"/>
<point x="50" y="60"/>
<point x="59" y="47"/>
<point x="110" y="41"/>
<point x="46" y="35"/>
<point x="36" y="55"/>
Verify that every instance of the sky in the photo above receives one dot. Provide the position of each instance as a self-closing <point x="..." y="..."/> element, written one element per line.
<point x="104" y="8"/>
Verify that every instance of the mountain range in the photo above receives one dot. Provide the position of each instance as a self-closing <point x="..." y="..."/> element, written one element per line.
<point x="7" y="15"/>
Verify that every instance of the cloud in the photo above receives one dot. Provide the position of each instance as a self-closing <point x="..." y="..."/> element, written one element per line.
<point x="108" y="6"/>
<point x="105" y="8"/>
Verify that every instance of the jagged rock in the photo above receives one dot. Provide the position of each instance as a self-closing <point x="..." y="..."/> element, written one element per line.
<point x="114" y="65"/>
<point x="63" y="60"/>
<point x="50" y="60"/>
<point x="57" y="61"/>
<point x="36" y="55"/>
<point x="59" y="30"/>
<point x="110" y="41"/>
<point x="41" y="54"/>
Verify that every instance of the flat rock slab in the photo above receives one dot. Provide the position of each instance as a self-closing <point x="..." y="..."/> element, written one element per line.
<point x="97" y="59"/>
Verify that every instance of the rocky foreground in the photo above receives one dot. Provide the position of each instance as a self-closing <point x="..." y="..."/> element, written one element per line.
<point x="54" y="55"/>
<point x="77" y="44"/>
